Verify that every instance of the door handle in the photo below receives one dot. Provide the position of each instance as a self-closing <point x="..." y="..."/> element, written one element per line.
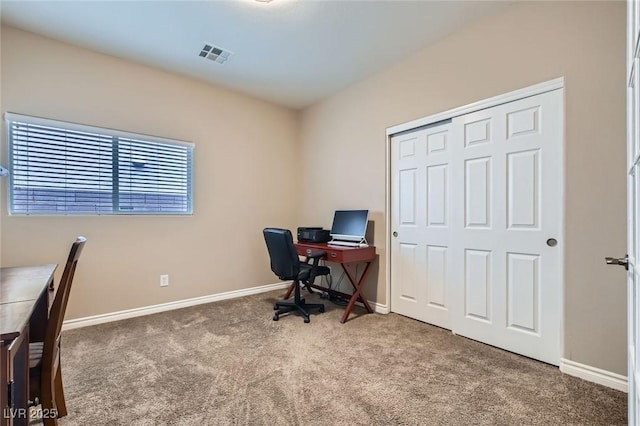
<point x="622" y="261"/>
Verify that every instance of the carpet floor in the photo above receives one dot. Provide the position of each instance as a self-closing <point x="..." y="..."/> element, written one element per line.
<point x="228" y="363"/>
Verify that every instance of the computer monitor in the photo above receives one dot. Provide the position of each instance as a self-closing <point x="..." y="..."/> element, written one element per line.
<point x="349" y="225"/>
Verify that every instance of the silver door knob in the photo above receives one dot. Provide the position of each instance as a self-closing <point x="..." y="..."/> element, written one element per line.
<point x="395" y="234"/>
<point x="622" y="261"/>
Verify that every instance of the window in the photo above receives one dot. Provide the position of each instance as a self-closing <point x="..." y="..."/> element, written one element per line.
<point x="65" y="168"/>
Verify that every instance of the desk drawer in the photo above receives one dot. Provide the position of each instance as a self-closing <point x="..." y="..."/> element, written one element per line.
<point x="335" y="256"/>
<point x="332" y="255"/>
<point x="341" y="254"/>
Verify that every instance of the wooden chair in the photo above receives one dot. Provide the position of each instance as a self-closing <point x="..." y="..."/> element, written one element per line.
<point x="45" y="379"/>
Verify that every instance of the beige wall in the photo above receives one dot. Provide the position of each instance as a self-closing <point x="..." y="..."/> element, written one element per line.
<point x="245" y="148"/>
<point x="525" y="44"/>
<point x="245" y="157"/>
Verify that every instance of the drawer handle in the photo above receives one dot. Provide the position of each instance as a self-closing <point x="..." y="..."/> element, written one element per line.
<point x="308" y="251"/>
<point x="334" y="254"/>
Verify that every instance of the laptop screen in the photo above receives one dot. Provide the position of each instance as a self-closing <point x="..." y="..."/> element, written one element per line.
<point x="349" y="224"/>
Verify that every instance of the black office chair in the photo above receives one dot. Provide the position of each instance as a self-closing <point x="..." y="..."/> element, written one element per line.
<point x="286" y="264"/>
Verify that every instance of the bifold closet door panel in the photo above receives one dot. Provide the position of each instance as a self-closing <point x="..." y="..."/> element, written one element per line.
<point x="507" y="233"/>
<point x="421" y="216"/>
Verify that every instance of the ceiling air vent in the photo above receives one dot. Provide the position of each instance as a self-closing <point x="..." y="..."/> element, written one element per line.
<point x="215" y="53"/>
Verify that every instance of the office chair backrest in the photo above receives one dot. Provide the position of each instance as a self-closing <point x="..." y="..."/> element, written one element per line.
<point x="56" y="315"/>
<point x="284" y="258"/>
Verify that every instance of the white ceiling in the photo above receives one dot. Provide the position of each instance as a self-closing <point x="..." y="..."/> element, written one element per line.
<point x="291" y="52"/>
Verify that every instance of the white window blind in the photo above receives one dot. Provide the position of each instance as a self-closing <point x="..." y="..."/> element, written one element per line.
<point x="65" y="168"/>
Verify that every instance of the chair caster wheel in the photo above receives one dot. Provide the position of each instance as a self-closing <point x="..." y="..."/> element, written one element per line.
<point x="321" y="309"/>
<point x="307" y="320"/>
<point x="275" y="307"/>
<point x="276" y="317"/>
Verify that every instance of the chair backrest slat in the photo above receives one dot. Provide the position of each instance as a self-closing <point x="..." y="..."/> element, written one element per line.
<point x="56" y="314"/>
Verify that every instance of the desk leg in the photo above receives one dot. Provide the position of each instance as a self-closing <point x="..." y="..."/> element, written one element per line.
<point x="357" y="291"/>
<point x="291" y="288"/>
<point x="20" y="367"/>
<point x="15" y="367"/>
<point x="5" y="376"/>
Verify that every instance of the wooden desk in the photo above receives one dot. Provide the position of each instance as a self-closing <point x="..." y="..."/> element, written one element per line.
<point x="24" y="309"/>
<point x="345" y="256"/>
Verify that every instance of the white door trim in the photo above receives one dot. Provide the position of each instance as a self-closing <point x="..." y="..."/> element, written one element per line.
<point x="536" y="89"/>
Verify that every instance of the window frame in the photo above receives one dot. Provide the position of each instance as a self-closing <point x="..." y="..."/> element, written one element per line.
<point x="115" y="134"/>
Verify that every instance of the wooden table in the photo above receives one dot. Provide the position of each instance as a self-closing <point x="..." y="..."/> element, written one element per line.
<point x="346" y="257"/>
<point x="24" y="309"/>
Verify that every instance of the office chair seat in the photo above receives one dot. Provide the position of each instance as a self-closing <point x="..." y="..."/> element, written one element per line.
<point x="286" y="264"/>
<point x="306" y="270"/>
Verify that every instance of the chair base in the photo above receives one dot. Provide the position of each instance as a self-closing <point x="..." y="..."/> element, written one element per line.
<point x="299" y="306"/>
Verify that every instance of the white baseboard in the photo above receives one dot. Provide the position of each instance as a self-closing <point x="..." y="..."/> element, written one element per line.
<point x="147" y="310"/>
<point x="595" y="375"/>
<point x="163" y="307"/>
<point x="378" y="308"/>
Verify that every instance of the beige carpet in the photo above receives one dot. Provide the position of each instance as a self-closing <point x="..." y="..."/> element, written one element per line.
<point x="228" y="363"/>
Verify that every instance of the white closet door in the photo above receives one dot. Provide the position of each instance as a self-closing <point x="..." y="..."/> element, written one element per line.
<point x="507" y="233"/>
<point x="477" y="221"/>
<point x="421" y="217"/>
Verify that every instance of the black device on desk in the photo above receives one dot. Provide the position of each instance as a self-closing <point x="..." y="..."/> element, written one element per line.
<point x="349" y="228"/>
<point x="313" y="234"/>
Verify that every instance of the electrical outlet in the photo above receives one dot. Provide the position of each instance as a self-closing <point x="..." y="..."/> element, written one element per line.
<point x="164" y="280"/>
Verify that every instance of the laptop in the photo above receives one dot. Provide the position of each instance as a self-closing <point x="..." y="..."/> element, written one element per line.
<point x="349" y="228"/>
